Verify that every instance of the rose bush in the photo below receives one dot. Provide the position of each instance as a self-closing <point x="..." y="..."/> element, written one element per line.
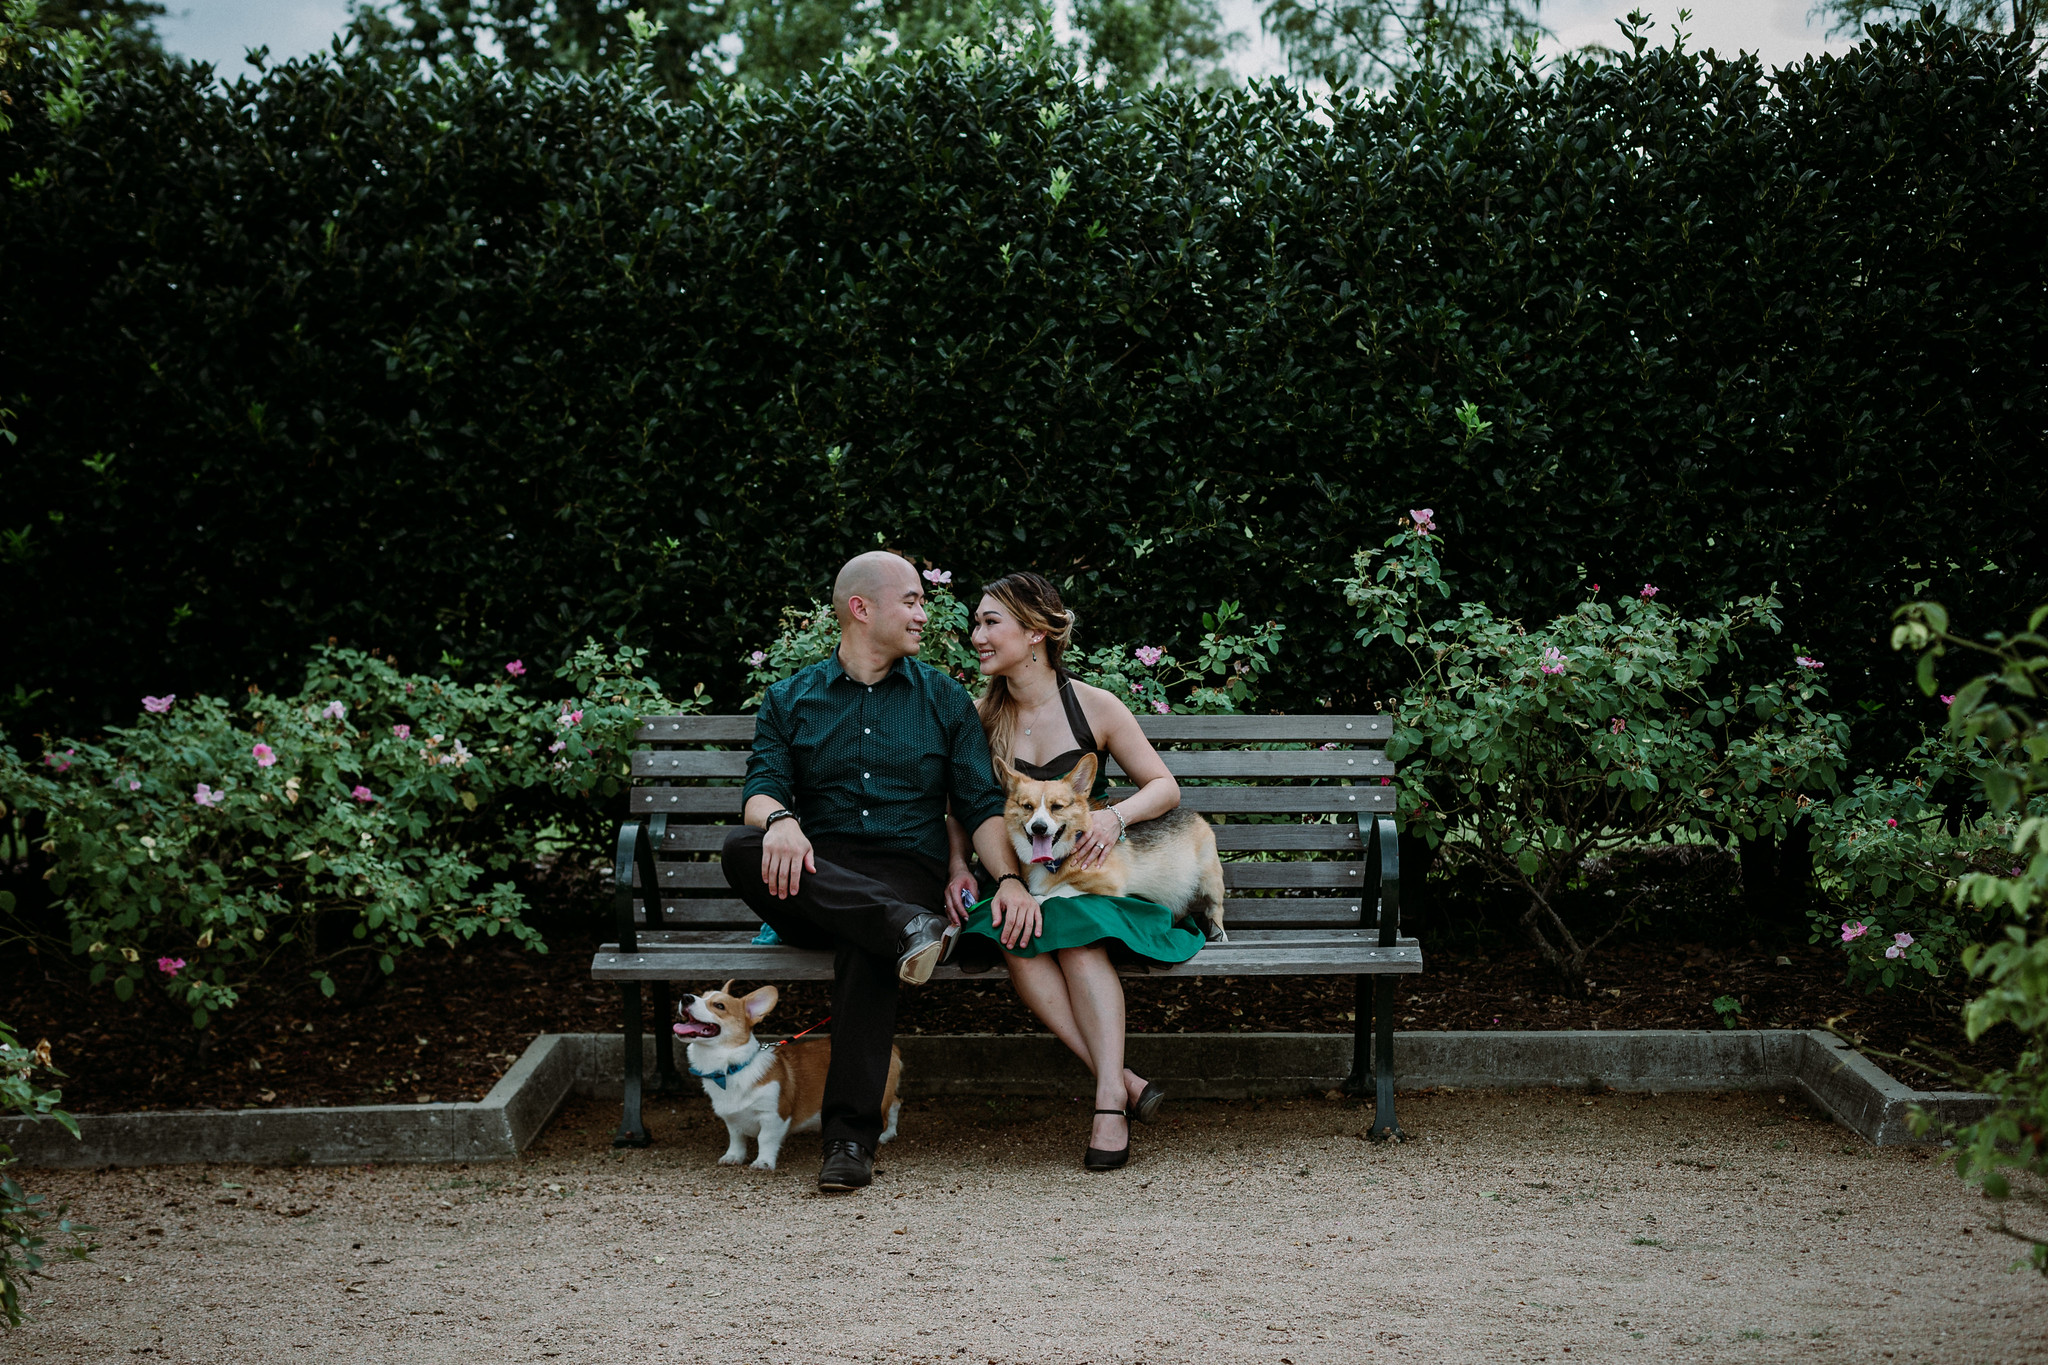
<point x="1536" y="751"/>
<point x="358" y="818"/>
<point x="22" y="1215"/>
<point x="1888" y="855"/>
<point x="2006" y="1153"/>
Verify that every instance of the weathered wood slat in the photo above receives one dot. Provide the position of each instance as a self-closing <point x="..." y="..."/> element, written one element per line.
<point x="696" y="730"/>
<point x="1300" y="953"/>
<point x="1242" y="838"/>
<point x="1232" y="838"/>
<point x="730" y="912"/>
<point x="1243" y="764"/>
<point x="1309" y="729"/>
<point x="1278" y="800"/>
<point x="1269" y="800"/>
<point x="1160" y="729"/>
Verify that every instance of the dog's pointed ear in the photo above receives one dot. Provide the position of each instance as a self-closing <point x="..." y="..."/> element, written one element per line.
<point x="1082" y="779"/>
<point x="1006" y="774"/>
<point x="727" y="988"/>
<point x="759" y="1002"/>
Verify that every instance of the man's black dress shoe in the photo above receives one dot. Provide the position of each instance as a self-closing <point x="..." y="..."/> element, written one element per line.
<point x="924" y="943"/>
<point x="848" y="1166"/>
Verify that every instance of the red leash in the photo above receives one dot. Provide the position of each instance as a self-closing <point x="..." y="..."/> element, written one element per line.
<point x="793" y="1037"/>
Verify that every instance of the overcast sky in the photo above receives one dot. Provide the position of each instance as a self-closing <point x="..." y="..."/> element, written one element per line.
<point x="219" y="31"/>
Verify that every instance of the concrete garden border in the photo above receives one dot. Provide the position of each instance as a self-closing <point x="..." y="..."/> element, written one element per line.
<point x="555" y="1066"/>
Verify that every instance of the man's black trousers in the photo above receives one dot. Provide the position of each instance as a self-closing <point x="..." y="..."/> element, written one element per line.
<point x="857" y="904"/>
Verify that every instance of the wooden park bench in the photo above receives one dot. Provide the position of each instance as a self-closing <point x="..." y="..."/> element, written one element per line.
<point x="1325" y="808"/>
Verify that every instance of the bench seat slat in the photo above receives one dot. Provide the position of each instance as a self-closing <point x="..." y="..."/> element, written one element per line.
<point x="1295" y="953"/>
<point x="1220" y="800"/>
<point x="1276" y="911"/>
<point x="1246" y="764"/>
<point x="1160" y="729"/>
<point x="1238" y="838"/>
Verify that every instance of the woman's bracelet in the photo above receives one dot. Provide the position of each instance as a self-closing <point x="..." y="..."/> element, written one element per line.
<point x="1121" y="827"/>
<point x="1012" y="877"/>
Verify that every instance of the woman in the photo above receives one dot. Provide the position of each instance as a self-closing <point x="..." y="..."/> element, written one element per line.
<point x="1041" y="721"/>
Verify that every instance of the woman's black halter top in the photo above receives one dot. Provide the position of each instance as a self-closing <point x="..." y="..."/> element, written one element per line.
<point x="1077" y="721"/>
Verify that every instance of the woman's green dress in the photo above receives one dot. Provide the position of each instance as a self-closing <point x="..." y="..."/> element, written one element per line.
<point x="1128" y="927"/>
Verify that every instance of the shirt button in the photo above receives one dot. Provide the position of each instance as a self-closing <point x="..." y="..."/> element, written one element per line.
<point x="864" y="730"/>
<point x="863" y="777"/>
<point x="863" y="813"/>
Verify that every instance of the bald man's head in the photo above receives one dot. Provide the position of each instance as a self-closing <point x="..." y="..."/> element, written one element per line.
<point x="876" y="576"/>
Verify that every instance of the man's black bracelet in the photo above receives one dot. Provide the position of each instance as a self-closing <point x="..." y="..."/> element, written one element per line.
<point x="773" y="816"/>
<point x="1011" y="877"/>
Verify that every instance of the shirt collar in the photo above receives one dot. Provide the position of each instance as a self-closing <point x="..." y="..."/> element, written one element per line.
<point x="835" y="670"/>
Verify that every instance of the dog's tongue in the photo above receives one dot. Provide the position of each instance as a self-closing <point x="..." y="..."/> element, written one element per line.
<point x="1041" y="848"/>
<point x="691" y="1028"/>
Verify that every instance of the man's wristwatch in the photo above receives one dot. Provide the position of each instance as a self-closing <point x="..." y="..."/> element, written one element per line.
<point x="773" y="816"/>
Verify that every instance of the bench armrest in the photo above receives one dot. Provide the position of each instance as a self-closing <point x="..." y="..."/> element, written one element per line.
<point x="637" y="843"/>
<point x="1389" y="841"/>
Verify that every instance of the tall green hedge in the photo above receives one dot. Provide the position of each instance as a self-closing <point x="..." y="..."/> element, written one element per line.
<point x="478" y="365"/>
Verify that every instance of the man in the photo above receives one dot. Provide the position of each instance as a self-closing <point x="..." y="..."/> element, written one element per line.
<point x="844" y="846"/>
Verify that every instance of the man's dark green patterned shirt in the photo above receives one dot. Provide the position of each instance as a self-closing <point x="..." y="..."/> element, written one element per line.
<point x="874" y="764"/>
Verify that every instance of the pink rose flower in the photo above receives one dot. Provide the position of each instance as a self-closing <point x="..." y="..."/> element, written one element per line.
<point x="1553" y="662"/>
<point x="61" y="762"/>
<point x="170" y="966"/>
<point x="363" y="795"/>
<point x="1648" y="592"/>
<point x="1161" y="707"/>
<point x="1424" y="519"/>
<point x="1853" y="930"/>
<point x="516" y="669"/>
<point x="133" y="785"/>
<point x="158" y="705"/>
<point x="558" y="746"/>
<point x="1148" y="655"/>
<point x="203" y="795"/>
<point x="334" y="710"/>
<point x="266" y="757"/>
<point x="937" y="576"/>
<point x="568" y="718"/>
<point x="1596" y="587"/>
<point x="757" y="658"/>
<point x="1948" y="699"/>
<point x="1618" y="726"/>
<point x="401" y="732"/>
<point x="1891" y="824"/>
<point x="1807" y="663"/>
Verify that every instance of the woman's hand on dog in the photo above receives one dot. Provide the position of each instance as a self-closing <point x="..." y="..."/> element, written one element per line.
<point x="1016" y="914"/>
<point x="1104" y="830"/>
<point x="785" y="856"/>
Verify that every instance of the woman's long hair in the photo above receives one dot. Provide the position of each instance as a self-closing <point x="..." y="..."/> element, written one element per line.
<point x="1033" y="604"/>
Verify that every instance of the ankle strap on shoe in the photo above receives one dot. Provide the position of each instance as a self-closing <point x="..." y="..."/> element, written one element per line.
<point x="1118" y="1112"/>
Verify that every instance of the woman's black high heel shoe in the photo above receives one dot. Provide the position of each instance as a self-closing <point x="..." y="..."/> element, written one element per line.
<point x="1099" y="1160"/>
<point x="1147" y="1107"/>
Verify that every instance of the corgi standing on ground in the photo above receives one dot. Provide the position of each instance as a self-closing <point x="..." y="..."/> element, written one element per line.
<point x="1170" y="861"/>
<point x="762" y="1092"/>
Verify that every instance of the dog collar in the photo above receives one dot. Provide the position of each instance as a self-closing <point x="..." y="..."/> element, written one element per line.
<point x="719" y="1078"/>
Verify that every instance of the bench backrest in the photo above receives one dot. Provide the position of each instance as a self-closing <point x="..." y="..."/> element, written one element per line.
<point x="1313" y="806"/>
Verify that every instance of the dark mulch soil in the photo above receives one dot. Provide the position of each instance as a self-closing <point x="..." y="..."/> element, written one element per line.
<point x="451" y="1021"/>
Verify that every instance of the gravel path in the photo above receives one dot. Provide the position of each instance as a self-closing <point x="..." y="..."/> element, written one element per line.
<point x="1543" y="1226"/>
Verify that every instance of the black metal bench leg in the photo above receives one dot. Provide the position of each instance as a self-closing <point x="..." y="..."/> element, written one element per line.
<point x="632" y="1132"/>
<point x="1384" y="1125"/>
<point x="667" y="1080"/>
<point x="1356" y="1084"/>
